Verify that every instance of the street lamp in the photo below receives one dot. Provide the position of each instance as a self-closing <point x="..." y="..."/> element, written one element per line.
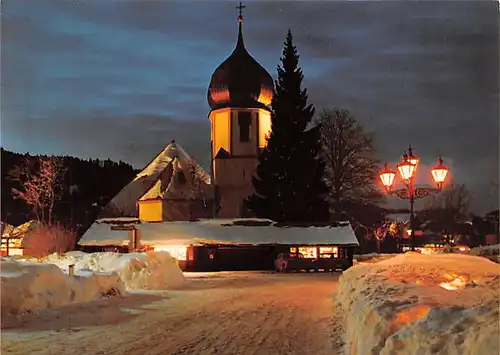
<point x="407" y="169"/>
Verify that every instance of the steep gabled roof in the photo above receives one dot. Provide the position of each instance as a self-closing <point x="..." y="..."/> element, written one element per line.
<point x="158" y="170"/>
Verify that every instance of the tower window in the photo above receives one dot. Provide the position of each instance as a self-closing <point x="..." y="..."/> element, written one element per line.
<point x="244" y="119"/>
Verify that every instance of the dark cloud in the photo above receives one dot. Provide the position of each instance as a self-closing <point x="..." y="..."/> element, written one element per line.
<point x="120" y="79"/>
<point x="134" y="139"/>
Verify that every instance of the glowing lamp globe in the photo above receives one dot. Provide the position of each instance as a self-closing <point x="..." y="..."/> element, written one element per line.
<point x="387" y="177"/>
<point x="406" y="168"/>
<point x="439" y="172"/>
<point x="414" y="160"/>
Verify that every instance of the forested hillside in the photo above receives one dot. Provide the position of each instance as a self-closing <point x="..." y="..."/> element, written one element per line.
<point x="87" y="186"/>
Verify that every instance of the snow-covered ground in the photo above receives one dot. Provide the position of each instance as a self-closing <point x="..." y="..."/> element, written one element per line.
<point x="422" y="304"/>
<point x="27" y="287"/>
<point x="223" y="313"/>
<point x="32" y="285"/>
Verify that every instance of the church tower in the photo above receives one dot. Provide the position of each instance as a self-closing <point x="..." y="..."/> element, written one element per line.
<point x="239" y="94"/>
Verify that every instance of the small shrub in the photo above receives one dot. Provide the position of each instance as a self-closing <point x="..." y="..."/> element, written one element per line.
<point x="45" y="240"/>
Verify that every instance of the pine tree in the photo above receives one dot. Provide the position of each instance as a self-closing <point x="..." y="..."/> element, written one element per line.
<point x="289" y="184"/>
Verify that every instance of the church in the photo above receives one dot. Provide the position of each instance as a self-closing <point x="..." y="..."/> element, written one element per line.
<point x="174" y="205"/>
<point x="173" y="187"/>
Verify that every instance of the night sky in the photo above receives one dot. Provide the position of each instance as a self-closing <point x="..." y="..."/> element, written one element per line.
<point x="121" y="79"/>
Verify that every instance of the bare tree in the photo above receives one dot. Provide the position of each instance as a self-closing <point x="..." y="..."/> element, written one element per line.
<point x="446" y="209"/>
<point x="41" y="182"/>
<point x="351" y="169"/>
<point x="455" y="200"/>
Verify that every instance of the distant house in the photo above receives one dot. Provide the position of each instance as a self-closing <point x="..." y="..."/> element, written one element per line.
<point x="12" y="237"/>
<point x="228" y="244"/>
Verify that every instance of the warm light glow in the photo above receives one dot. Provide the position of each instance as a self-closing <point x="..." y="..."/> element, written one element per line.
<point x="150" y="211"/>
<point x="327" y="252"/>
<point x="264" y="127"/>
<point x="265" y="96"/>
<point x="439" y="172"/>
<point x="411" y="315"/>
<point x="406" y="168"/>
<point x="176" y="251"/>
<point x="330" y="250"/>
<point x="456" y="283"/>
<point x="413" y="160"/>
<point x="309" y="252"/>
<point x="387" y="176"/>
<point x="220" y="131"/>
<point x="220" y="95"/>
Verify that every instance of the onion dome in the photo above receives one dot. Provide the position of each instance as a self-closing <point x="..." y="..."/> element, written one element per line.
<point x="240" y="81"/>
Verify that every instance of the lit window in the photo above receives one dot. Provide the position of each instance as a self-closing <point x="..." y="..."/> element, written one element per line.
<point x="176" y="251"/>
<point x="332" y="252"/>
<point x="308" y="252"/>
<point x="293" y="250"/>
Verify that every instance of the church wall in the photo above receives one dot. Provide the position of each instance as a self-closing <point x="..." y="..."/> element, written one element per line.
<point x="242" y="147"/>
<point x="234" y="171"/>
<point x="220" y="130"/>
<point x="176" y="210"/>
<point x="150" y="211"/>
<point x="264" y="122"/>
<point x="234" y="181"/>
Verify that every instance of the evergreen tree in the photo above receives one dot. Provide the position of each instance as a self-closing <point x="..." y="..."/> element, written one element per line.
<point x="288" y="183"/>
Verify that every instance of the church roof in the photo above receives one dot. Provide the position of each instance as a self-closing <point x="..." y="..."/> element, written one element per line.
<point x="240" y="81"/>
<point x="178" y="182"/>
<point x="148" y="183"/>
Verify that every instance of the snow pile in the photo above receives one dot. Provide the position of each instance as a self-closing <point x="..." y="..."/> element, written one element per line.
<point x="372" y="257"/>
<point x="138" y="271"/>
<point x="425" y="304"/>
<point x="29" y="286"/>
<point x="491" y="252"/>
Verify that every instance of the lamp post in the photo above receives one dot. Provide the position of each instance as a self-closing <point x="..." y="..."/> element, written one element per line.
<point x="407" y="169"/>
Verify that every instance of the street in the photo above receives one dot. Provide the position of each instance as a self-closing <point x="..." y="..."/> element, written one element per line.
<point x="224" y="313"/>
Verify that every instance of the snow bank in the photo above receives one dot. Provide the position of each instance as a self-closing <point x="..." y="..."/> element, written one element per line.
<point x="422" y="304"/>
<point x="28" y="286"/>
<point x="138" y="271"/>
<point x="490" y="252"/>
<point x="372" y="257"/>
<point x="487" y="250"/>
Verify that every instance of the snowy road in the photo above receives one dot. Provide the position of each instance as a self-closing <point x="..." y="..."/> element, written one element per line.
<point x="234" y="313"/>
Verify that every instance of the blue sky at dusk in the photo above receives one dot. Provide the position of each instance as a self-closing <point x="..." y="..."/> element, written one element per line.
<point x="121" y="79"/>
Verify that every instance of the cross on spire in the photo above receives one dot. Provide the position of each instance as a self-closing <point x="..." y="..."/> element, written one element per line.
<point x="240" y="7"/>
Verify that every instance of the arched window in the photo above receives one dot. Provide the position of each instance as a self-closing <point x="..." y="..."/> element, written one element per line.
<point x="244" y="120"/>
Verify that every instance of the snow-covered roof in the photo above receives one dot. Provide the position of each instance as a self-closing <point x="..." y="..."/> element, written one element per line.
<point x="20" y="231"/>
<point x="124" y="203"/>
<point x="180" y="182"/>
<point x="219" y="231"/>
